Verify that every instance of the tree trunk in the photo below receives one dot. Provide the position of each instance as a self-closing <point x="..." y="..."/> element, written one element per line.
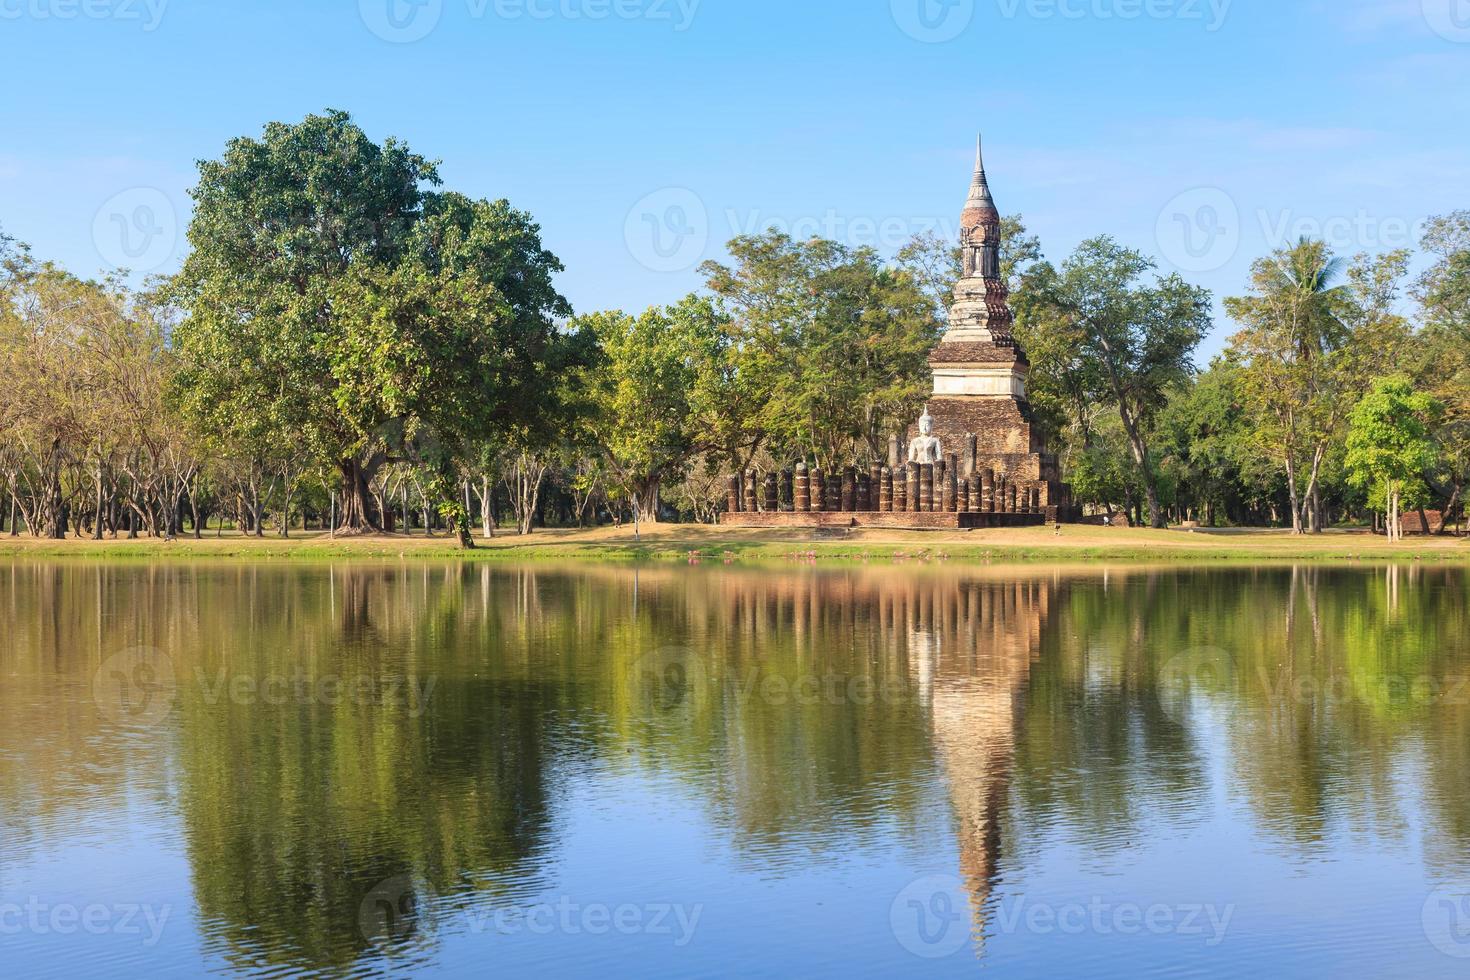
<point x="648" y="501"/>
<point x="358" y="513"/>
<point x="97" y="530"/>
<point x="1449" y="512"/>
<point x="1294" y="495"/>
<point x="487" y="506"/>
<point x="1140" y="456"/>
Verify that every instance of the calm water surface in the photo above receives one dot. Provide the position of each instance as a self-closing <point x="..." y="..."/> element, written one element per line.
<point x="441" y="769"/>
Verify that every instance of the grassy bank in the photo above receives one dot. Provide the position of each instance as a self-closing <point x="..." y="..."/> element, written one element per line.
<point x="676" y="543"/>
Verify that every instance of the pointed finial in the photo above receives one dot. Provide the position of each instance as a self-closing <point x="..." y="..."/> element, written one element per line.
<point x="979" y="198"/>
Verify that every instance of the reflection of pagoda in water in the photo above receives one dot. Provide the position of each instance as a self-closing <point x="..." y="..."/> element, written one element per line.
<point x="972" y="655"/>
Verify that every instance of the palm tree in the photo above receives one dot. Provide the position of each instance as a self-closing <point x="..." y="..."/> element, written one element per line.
<point x="1296" y="324"/>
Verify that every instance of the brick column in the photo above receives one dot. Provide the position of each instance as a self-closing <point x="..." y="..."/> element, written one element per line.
<point x="926" y="488"/>
<point x="819" y="490"/>
<point x="732" y="495"/>
<point x="987" y="491"/>
<point x="916" y="489"/>
<point x="773" y="499"/>
<point x="803" y="498"/>
<point x="751" y="504"/>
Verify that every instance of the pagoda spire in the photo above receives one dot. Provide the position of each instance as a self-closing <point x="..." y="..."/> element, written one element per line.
<point x="980" y="199"/>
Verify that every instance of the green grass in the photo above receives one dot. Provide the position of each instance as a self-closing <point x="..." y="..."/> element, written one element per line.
<point x="666" y="543"/>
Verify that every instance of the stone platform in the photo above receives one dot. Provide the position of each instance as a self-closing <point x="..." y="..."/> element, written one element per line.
<point x="902" y="520"/>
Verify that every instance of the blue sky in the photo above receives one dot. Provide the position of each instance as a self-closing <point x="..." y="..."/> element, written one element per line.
<point x="644" y="133"/>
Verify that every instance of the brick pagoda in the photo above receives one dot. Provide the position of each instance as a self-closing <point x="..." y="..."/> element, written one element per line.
<point x="990" y="467"/>
<point x="980" y="410"/>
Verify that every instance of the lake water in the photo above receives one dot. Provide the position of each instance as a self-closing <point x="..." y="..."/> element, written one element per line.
<point x="475" y="770"/>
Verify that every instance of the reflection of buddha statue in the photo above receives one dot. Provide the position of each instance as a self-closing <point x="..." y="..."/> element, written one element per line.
<point x="925" y="448"/>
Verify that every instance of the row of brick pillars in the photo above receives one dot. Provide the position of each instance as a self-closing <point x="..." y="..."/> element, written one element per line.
<point x="927" y="488"/>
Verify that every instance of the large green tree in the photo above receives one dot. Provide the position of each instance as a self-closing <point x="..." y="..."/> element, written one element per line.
<point x="331" y="292"/>
<point x="1129" y="338"/>
<point x="836" y="340"/>
<point x="1441" y="355"/>
<point x="643" y="392"/>
<point x="1389" y="447"/>
<point x="1296" y="378"/>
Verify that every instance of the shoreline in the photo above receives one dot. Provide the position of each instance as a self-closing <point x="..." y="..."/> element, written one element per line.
<point x="705" y="544"/>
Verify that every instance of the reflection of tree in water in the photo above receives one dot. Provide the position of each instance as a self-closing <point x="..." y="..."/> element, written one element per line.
<point x="296" y="813"/>
<point x="1038" y="696"/>
<point x="1098" y="753"/>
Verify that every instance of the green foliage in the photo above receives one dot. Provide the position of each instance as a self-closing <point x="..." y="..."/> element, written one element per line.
<point x="1444" y="288"/>
<point x="1297" y="359"/>
<point x="1111" y="335"/>
<point x="643" y="391"/>
<point x="936" y="263"/>
<point x="331" y="294"/>
<point x="1389" y="447"/>
<point x="836" y="343"/>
